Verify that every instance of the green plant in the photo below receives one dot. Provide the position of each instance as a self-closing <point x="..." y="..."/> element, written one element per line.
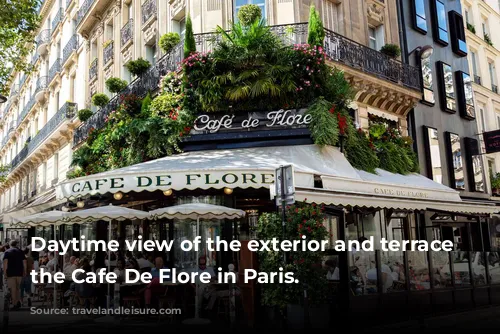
<point x="100" y="100"/>
<point x="165" y="104"/>
<point x="324" y="125"/>
<point x="138" y="67"/>
<point x="116" y="85"/>
<point x="495" y="181"/>
<point x="189" y="42"/>
<point x="107" y="43"/>
<point x="316" y="32"/>
<point x="146" y="102"/>
<point x="169" y="41"/>
<point x="84" y="114"/>
<point x="302" y="219"/>
<point x="487" y="39"/>
<point x="248" y="14"/>
<point x="391" y="50"/>
<point x="471" y="28"/>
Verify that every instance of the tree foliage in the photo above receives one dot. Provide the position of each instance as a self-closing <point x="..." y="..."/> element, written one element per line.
<point x="189" y="42"/>
<point x="19" y="20"/>
<point x="316" y="32"/>
<point x="248" y="14"/>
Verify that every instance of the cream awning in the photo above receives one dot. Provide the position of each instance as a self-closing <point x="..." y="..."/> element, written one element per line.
<point x="235" y="168"/>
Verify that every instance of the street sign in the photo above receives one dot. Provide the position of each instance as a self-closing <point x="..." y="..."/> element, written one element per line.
<point x="285" y="185"/>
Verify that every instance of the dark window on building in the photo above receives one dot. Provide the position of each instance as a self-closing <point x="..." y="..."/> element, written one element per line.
<point x="440" y="26"/>
<point x="457" y="31"/>
<point x="474" y="162"/>
<point x="465" y="95"/>
<point x="447" y="87"/>
<point x="419" y="17"/>
<point x="455" y="162"/>
<point x="427" y="79"/>
<point x="433" y="154"/>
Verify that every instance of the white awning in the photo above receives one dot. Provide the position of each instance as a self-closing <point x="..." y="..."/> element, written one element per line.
<point x="236" y="168"/>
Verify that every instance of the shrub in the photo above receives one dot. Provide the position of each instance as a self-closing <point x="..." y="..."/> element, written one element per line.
<point x="100" y="100"/>
<point x="168" y="41"/>
<point x="316" y="32"/>
<point x="189" y="42"/>
<point x="248" y="14"/>
<point x="391" y="50"/>
<point x="145" y="104"/>
<point x="84" y="114"/>
<point x="165" y="105"/>
<point x="139" y="66"/>
<point x="116" y="85"/>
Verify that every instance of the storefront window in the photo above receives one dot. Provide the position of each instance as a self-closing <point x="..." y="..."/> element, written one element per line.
<point x="461" y="268"/>
<point x="494" y="267"/>
<point x="89" y="231"/>
<point x="418" y="264"/>
<point x="440" y="262"/>
<point x="478" y="268"/>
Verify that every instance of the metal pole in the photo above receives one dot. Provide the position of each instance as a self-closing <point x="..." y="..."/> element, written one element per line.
<point x="283" y="207"/>
<point x="108" y="301"/>
<point x="197" y="312"/>
<point x="56" y="267"/>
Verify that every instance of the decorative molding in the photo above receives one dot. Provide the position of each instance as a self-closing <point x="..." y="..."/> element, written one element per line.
<point x="375" y="11"/>
<point x="150" y="34"/>
<point x="98" y="31"/>
<point x="127" y="55"/>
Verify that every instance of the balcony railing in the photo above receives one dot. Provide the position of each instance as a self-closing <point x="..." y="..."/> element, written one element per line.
<point x="477" y="79"/>
<point x="93" y="70"/>
<point x="57" y="19"/>
<point x="26" y="110"/>
<point x="34" y="59"/>
<point x="68" y="3"/>
<point x="41" y="84"/>
<point x="337" y="48"/>
<point x="127" y="32"/>
<point x="19" y="158"/>
<point x="84" y="10"/>
<point x="14" y="90"/>
<point x="108" y="52"/>
<point x="54" y="69"/>
<point x="494" y="88"/>
<point x="148" y="10"/>
<point x="22" y="80"/>
<point x="69" y="48"/>
<point x="43" y="37"/>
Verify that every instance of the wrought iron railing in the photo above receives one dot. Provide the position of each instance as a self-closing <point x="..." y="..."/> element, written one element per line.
<point x="149" y="10"/>
<point x="108" y="52"/>
<point x="127" y="32"/>
<point x="19" y="158"/>
<point x="54" y="69"/>
<point x="84" y="9"/>
<point x="69" y="48"/>
<point x="43" y="37"/>
<point x="35" y="59"/>
<point x="93" y="70"/>
<point x="14" y="90"/>
<point x="41" y="84"/>
<point x="57" y="19"/>
<point x="68" y="3"/>
<point x="337" y="48"/>
<point x="22" y="80"/>
<point x="27" y="108"/>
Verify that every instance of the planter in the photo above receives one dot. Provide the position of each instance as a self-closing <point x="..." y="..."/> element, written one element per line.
<point x="319" y="316"/>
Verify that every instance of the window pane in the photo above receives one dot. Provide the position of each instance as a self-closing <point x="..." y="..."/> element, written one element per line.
<point x="469" y="95"/>
<point x="477" y="163"/>
<point x="461" y="268"/>
<point x="435" y="155"/>
<point x="443" y="35"/>
<point x="427" y="73"/>
<point x="494" y="267"/>
<point x="441" y="15"/>
<point x="420" y="8"/>
<point x="421" y="23"/>
<point x="478" y="268"/>
<point x="456" y="153"/>
<point x="449" y="87"/>
<point x="393" y="269"/>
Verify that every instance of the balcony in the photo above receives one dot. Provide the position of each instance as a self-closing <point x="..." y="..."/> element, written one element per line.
<point x="378" y="80"/>
<point x="89" y="13"/>
<point x="57" y="19"/>
<point x="19" y="158"/>
<point x="69" y="3"/>
<point x="177" y="9"/>
<point x="69" y="51"/>
<point x="149" y="11"/>
<point x="54" y="71"/>
<point x="41" y="88"/>
<point x="93" y="70"/>
<point x="477" y="79"/>
<point x="34" y="59"/>
<point x="127" y="33"/>
<point x="43" y="41"/>
<point x="14" y="92"/>
<point x="26" y="110"/>
<point x="108" y="53"/>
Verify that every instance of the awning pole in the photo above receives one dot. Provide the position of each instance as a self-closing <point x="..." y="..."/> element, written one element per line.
<point x="109" y="265"/>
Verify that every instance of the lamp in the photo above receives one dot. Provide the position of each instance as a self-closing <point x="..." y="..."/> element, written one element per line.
<point x="423" y="52"/>
<point x="228" y="191"/>
<point x="168" y="192"/>
<point x="118" y="196"/>
<point x="80" y="204"/>
<point x="3" y="99"/>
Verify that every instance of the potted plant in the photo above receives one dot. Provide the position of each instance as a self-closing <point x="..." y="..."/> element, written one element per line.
<point x="116" y="85"/>
<point x="84" y="114"/>
<point x="138" y="67"/>
<point x="391" y="50"/>
<point x="100" y="100"/>
<point x="495" y="183"/>
<point x="169" y="41"/>
<point x="487" y="39"/>
<point x="471" y="28"/>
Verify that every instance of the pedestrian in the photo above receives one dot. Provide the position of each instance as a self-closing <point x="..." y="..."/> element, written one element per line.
<point x="2" y="250"/>
<point x="26" y="281"/>
<point x="14" y="266"/>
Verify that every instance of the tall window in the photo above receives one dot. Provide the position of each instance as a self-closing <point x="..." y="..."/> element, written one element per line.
<point x="465" y="95"/>
<point x="447" y="87"/>
<point x="419" y="17"/>
<point x="425" y="63"/>
<point x="372" y="38"/>
<point x="457" y="30"/>
<point x="454" y="154"/>
<point x="433" y="153"/>
<point x="473" y="59"/>
<point x="376" y="37"/>
<point x="239" y="3"/>
<point x="440" y="23"/>
<point x="491" y="69"/>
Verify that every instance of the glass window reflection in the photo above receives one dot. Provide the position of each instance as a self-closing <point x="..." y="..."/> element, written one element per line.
<point x="427" y="80"/>
<point x="420" y="17"/>
<point x="434" y="154"/>
<point x="449" y="87"/>
<point x="442" y="28"/>
<point x="457" y="178"/>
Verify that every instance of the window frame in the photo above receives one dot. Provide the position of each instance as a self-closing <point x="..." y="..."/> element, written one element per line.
<point x="457" y="30"/>
<point x="436" y="26"/>
<point x="471" y="151"/>
<point x="428" y="153"/>
<point x="464" y="107"/>
<point x="424" y="88"/>
<point x="442" y="87"/>
<point x="416" y="16"/>
<point x="450" y="158"/>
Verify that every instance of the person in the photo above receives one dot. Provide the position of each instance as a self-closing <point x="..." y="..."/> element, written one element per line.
<point x="2" y="250"/>
<point x="143" y="262"/>
<point x="70" y="266"/>
<point x="332" y="273"/>
<point x="120" y="270"/>
<point x="85" y="289"/>
<point x="14" y="266"/>
<point x="26" y="281"/>
<point x="387" y="278"/>
<point x="202" y="289"/>
<point x="213" y="294"/>
<point x="51" y="264"/>
<point x="154" y="287"/>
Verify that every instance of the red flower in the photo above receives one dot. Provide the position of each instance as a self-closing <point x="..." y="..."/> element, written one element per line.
<point x="296" y="210"/>
<point x="313" y="213"/>
<point x="304" y="221"/>
<point x="332" y="110"/>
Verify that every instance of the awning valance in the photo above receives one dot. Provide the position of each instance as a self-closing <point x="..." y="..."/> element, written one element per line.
<point x="236" y="168"/>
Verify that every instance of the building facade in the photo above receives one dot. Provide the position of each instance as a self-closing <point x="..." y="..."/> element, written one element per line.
<point x="481" y="21"/>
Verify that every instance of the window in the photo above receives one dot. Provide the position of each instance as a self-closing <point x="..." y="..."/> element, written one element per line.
<point x="433" y="154"/>
<point x="458" y="43"/>
<point x="447" y="87"/>
<point x="467" y="19"/>
<point x="473" y="59"/>
<point x="498" y="121"/>
<point x="419" y="17"/>
<point x="474" y="163"/>
<point x="439" y="23"/>
<point x="376" y="37"/>
<point x="372" y="39"/>
<point x="425" y="64"/>
<point x="465" y="95"/>
<point x="482" y="120"/>
<point x="454" y="155"/>
<point x="239" y="3"/>
<point x="492" y="70"/>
